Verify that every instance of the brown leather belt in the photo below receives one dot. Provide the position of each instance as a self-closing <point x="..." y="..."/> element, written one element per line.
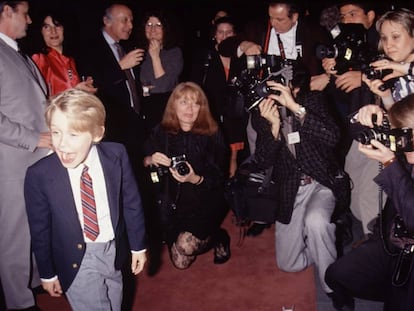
<point x="305" y="180"/>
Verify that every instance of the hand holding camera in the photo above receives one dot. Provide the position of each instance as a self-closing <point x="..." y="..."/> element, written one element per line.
<point x="182" y="171"/>
<point x="268" y="110"/>
<point x="379" y="134"/>
<point x="368" y="113"/>
<point x="283" y="95"/>
<point x="162" y="165"/>
<point x="377" y="151"/>
<point x="390" y="69"/>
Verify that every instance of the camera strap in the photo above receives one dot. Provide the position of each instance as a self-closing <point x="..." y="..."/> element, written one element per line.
<point x="206" y="65"/>
<point x="281" y="47"/>
<point x="287" y="128"/>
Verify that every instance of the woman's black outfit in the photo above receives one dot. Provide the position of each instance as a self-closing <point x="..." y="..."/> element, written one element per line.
<point x="186" y="207"/>
<point x="208" y="71"/>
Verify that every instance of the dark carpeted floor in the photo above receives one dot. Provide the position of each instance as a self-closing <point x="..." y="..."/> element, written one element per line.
<point x="250" y="281"/>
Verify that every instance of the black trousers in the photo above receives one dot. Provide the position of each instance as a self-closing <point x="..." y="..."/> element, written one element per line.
<point x="366" y="272"/>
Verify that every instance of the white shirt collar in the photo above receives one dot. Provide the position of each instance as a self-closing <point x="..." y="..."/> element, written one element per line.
<point x="90" y="160"/>
<point x="290" y="35"/>
<point x="108" y="38"/>
<point x="9" y="41"/>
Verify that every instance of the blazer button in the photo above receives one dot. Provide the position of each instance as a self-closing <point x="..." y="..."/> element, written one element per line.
<point x="80" y="246"/>
<point x="74" y="265"/>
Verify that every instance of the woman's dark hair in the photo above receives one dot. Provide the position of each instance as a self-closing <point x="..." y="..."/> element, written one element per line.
<point x="171" y="37"/>
<point x="365" y="5"/>
<point x="224" y="20"/>
<point x="58" y="19"/>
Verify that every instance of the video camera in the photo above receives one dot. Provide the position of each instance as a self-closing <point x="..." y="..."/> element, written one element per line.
<point x="251" y="84"/>
<point x="397" y="139"/>
<point x="178" y="163"/>
<point x="350" y="48"/>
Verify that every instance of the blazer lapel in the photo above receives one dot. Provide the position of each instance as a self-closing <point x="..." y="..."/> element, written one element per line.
<point x="30" y="69"/>
<point x="61" y="186"/>
<point x="112" y="173"/>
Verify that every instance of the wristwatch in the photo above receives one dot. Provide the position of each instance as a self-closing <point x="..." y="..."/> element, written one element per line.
<point x="300" y="113"/>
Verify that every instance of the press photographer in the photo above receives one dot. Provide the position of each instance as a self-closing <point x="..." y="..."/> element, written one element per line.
<point x="348" y="94"/>
<point x="188" y="149"/>
<point x="296" y="136"/>
<point x="396" y="139"/>
<point x="349" y="49"/>
<point x="381" y="270"/>
<point x="400" y="57"/>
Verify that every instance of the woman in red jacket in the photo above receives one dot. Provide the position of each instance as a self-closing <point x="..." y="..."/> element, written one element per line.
<point x="58" y="69"/>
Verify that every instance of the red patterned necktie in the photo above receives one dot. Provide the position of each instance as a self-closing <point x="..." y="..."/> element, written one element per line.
<point x="90" y="220"/>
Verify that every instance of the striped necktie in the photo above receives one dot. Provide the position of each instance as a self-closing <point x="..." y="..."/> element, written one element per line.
<point x="90" y="219"/>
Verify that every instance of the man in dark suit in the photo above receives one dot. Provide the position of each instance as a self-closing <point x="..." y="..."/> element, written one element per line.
<point x="116" y="75"/>
<point x="297" y="137"/>
<point x="24" y="139"/>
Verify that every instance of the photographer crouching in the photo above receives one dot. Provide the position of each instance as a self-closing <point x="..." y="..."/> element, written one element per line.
<point x="297" y="136"/>
<point x="187" y="154"/>
<point x="381" y="268"/>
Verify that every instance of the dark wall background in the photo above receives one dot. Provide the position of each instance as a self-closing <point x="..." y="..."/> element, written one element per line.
<point x="190" y="18"/>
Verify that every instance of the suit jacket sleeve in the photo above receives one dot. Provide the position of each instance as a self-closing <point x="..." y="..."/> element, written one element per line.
<point x="39" y="216"/>
<point x="132" y="206"/>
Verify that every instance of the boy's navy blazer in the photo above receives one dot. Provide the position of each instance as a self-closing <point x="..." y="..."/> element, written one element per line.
<point x="57" y="236"/>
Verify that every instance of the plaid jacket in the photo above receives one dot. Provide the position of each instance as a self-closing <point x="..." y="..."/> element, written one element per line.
<point x="314" y="153"/>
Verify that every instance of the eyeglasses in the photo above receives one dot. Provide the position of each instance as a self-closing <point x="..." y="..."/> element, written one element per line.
<point x="153" y="25"/>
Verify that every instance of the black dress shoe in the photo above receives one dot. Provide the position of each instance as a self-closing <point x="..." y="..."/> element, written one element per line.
<point x="33" y="308"/>
<point x="257" y="229"/>
<point x="342" y="303"/>
<point x="222" y="248"/>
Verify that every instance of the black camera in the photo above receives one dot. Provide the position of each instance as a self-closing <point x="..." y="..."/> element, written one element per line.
<point x="374" y="74"/>
<point x="397" y="139"/>
<point x="249" y="84"/>
<point x="350" y="48"/>
<point x="263" y="61"/>
<point x="178" y="163"/>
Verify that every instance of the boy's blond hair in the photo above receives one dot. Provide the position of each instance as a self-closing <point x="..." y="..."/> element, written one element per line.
<point x="85" y="111"/>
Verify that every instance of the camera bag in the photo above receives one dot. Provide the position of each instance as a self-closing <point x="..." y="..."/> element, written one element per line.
<point x="251" y="195"/>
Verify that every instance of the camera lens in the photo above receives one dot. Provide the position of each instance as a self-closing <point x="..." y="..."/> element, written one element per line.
<point x="182" y="168"/>
<point x="366" y="136"/>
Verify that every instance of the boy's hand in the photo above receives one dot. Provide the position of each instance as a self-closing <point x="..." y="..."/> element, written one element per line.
<point x="138" y="262"/>
<point x="53" y="288"/>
